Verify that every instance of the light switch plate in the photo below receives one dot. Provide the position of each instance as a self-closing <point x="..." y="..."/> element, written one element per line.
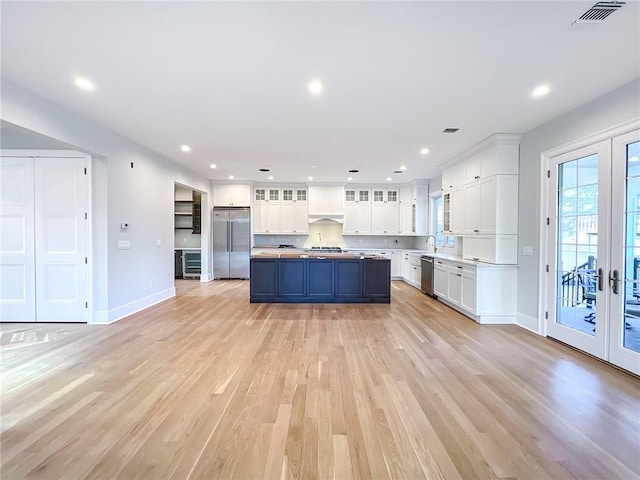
<point x="124" y="244"/>
<point x="158" y="242"/>
<point x="527" y="251"/>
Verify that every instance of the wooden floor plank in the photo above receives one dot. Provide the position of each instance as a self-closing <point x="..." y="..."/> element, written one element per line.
<point x="207" y="385"/>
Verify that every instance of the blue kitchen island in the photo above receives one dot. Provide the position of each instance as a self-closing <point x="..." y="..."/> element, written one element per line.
<point x="330" y="278"/>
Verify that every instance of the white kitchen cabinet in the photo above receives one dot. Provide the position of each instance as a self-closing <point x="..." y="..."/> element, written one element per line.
<point x="385" y="213"/>
<point x="499" y="249"/>
<point x="411" y="269"/>
<point x="455" y="286"/>
<point x="440" y="279"/>
<point x="453" y="204"/>
<point x="301" y="211"/>
<point x="325" y="201"/>
<point x="469" y="290"/>
<point x="294" y="215"/>
<point x="280" y="210"/>
<point x="419" y="192"/>
<point x="396" y="264"/>
<point x="453" y="177"/>
<point x="485" y="293"/>
<point x="357" y="211"/>
<point x="231" y="196"/>
<point x="491" y="206"/>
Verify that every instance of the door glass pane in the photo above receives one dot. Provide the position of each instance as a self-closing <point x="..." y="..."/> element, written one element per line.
<point x="630" y="288"/>
<point x="576" y="243"/>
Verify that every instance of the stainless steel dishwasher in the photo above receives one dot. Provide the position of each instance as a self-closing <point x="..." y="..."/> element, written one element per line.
<point x="426" y="280"/>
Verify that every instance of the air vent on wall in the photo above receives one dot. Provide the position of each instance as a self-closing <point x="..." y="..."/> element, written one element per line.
<point x="599" y="12"/>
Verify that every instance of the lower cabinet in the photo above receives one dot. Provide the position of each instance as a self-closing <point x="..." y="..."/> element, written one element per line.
<point x="310" y="280"/>
<point x="320" y="278"/>
<point x="348" y="278"/>
<point x="291" y="277"/>
<point x="483" y="292"/>
<point x="411" y="269"/>
<point x="376" y="279"/>
<point x="263" y="277"/>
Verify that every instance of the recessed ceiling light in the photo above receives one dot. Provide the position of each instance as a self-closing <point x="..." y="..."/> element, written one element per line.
<point x="213" y="165"/>
<point x="388" y="179"/>
<point x="314" y="166"/>
<point x="231" y="177"/>
<point x="270" y="177"/>
<point x="424" y="151"/>
<point x="349" y="179"/>
<point x="634" y="159"/>
<point x="403" y="168"/>
<point x="315" y="87"/>
<point x="264" y="170"/>
<point x="541" y="91"/>
<point x="185" y="148"/>
<point x="84" y="84"/>
<point x="309" y="178"/>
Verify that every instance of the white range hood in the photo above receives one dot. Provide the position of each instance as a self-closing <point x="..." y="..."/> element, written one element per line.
<point x="326" y="204"/>
<point x="326" y="218"/>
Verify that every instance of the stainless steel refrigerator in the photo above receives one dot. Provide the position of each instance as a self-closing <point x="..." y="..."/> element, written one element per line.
<point x="231" y="242"/>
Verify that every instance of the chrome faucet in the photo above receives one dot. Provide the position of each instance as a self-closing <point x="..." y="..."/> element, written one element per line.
<point x="435" y="249"/>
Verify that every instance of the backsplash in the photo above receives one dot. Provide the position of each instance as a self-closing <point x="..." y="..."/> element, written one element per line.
<point x="329" y="234"/>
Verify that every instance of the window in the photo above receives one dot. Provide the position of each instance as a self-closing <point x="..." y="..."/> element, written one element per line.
<point x="437" y="213"/>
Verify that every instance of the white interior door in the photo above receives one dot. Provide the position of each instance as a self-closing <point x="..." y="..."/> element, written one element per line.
<point x="17" y="259"/>
<point x="578" y="247"/>
<point x="61" y="240"/>
<point x="624" y="274"/>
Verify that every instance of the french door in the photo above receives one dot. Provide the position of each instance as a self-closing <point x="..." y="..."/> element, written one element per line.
<point x="43" y="239"/>
<point x="593" y="249"/>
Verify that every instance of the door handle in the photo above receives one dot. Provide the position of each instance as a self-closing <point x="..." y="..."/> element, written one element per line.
<point x="228" y="237"/>
<point x="613" y="281"/>
<point x="600" y="279"/>
<point x="231" y="237"/>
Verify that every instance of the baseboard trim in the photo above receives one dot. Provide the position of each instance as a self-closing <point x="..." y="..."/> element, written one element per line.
<point x="130" y="308"/>
<point x="527" y="322"/>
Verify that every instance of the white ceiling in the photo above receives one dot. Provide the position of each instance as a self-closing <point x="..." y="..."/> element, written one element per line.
<point x="229" y="79"/>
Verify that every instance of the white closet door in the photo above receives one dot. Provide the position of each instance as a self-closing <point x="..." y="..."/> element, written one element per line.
<point x="61" y="240"/>
<point x="17" y="278"/>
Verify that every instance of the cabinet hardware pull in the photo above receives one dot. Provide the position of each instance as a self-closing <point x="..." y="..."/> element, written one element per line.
<point x="458" y="274"/>
<point x="458" y="266"/>
<point x="476" y="231"/>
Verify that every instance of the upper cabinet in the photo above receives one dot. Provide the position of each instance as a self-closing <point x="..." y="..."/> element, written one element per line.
<point x="385" y="211"/>
<point x="377" y="210"/>
<point x="325" y="200"/>
<point x="481" y="198"/>
<point x="231" y="195"/>
<point x="357" y="211"/>
<point x="280" y="209"/>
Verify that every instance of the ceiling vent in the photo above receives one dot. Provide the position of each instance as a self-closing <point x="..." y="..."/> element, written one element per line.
<point x="450" y="130"/>
<point x="599" y="12"/>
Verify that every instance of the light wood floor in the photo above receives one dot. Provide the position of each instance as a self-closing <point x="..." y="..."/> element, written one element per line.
<point x="207" y="385"/>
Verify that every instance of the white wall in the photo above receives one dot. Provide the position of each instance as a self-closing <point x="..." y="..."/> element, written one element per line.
<point x="614" y="108"/>
<point x="124" y="280"/>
